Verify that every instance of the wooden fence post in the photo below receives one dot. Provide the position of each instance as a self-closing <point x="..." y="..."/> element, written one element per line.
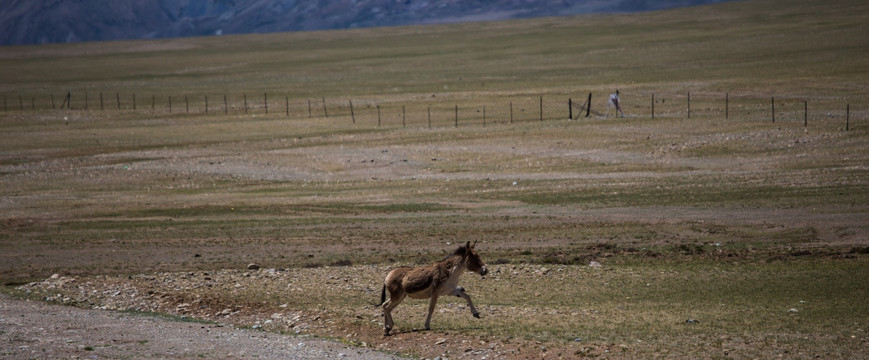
<point x="772" y="101"/>
<point x="309" y="107"/>
<point x="805" y="113"/>
<point x="403" y="118"/>
<point x="570" y="107"/>
<point x="511" y="112"/>
<point x="225" y="107"/>
<point x="484" y="115"/>
<point x="85" y="100"/>
<point x="352" y="114"/>
<point x="378" y="115"/>
<point x="847" y="117"/>
<point x="588" y="108"/>
<point x="245" y="102"/>
<point x="266" y="101"/>
<point x="429" y="117"/>
<point x="689" y="105"/>
<point x="457" y="116"/>
<point x="288" y="105"/>
<point x="325" y="112"/>
<point x="726" y="106"/>
<point x="134" y="101"/>
<point x="186" y="104"/>
<point x="653" y="106"/>
<point x="52" y="102"/>
<point x="153" y="101"/>
<point x="170" y="104"/>
<point x="541" y="108"/>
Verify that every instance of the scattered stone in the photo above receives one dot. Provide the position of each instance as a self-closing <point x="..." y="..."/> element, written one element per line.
<point x="692" y="321"/>
<point x="441" y="341"/>
<point x="594" y="264"/>
<point x="253" y="267"/>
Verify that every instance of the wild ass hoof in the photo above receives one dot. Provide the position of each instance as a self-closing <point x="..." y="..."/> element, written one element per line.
<point x="476" y="315"/>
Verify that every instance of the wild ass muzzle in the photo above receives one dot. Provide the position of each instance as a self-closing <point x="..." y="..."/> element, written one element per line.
<point x="430" y="281"/>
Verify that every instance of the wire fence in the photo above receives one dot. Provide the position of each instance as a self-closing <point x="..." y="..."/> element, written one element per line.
<point x="508" y="109"/>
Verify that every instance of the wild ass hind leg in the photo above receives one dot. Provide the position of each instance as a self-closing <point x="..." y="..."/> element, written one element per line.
<point x="460" y="292"/>
<point x="391" y="303"/>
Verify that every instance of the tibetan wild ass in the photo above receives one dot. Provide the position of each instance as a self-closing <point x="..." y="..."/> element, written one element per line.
<point x="430" y="281"/>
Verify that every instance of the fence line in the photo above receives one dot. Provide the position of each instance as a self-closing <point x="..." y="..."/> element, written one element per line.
<point x="748" y="107"/>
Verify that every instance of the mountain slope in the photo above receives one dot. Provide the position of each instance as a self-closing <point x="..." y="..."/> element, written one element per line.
<point x="55" y="21"/>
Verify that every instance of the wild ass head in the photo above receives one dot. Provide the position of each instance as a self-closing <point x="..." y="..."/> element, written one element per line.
<point x="472" y="259"/>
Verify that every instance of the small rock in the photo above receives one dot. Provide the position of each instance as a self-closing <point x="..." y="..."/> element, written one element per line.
<point x="692" y="321"/>
<point x="253" y="267"/>
<point x="441" y="341"/>
<point x="594" y="264"/>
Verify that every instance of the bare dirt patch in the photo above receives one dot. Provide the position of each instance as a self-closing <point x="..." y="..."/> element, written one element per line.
<point x="35" y="329"/>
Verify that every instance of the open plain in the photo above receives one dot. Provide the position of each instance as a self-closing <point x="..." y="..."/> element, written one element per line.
<point x="733" y="227"/>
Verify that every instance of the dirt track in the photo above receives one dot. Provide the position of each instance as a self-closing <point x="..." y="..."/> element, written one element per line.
<point x="31" y="329"/>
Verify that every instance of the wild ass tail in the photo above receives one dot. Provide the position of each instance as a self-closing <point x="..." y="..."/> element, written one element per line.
<point x="382" y="295"/>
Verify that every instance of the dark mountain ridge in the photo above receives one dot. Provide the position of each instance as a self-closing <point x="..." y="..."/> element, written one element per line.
<point x="60" y="21"/>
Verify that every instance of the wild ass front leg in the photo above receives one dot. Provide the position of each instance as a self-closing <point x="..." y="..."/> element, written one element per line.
<point x="460" y="292"/>
<point x="431" y="307"/>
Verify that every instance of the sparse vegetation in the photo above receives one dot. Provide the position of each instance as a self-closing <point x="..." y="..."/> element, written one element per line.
<point x="731" y="223"/>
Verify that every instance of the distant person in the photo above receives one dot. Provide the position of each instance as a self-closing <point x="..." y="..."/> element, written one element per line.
<point x="614" y="102"/>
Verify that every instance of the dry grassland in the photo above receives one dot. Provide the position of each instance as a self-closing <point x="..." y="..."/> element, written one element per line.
<point x="755" y="231"/>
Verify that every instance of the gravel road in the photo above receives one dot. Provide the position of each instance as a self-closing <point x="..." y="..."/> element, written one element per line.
<point x="37" y="330"/>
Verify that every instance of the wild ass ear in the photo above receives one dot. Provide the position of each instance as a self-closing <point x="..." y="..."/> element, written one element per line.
<point x="469" y="246"/>
<point x="474" y="244"/>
